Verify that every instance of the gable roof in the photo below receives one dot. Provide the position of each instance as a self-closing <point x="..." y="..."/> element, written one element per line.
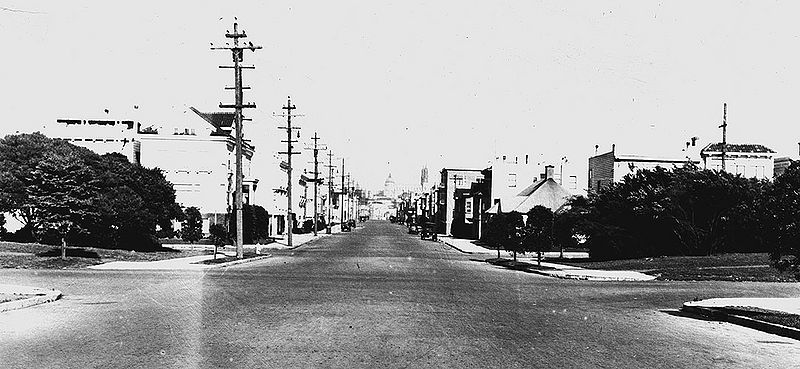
<point x="546" y="193"/>
<point x="745" y="148"/>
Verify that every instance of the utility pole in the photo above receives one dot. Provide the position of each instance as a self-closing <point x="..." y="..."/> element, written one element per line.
<point x="330" y="190"/>
<point x="238" y="57"/>
<point x="724" y="127"/>
<point x="341" y="220"/>
<point x="289" y="107"/>
<point x="316" y="177"/>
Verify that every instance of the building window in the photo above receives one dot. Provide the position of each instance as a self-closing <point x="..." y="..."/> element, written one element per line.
<point x="512" y="180"/>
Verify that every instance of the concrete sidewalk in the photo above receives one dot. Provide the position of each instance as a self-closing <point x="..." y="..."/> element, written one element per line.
<point x="552" y="269"/>
<point x="740" y="311"/>
<point x="35" y="295"/>
<point x="193" y="262"/>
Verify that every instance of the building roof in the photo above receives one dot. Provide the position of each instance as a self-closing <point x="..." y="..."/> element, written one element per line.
<point x="650" y="159"/>
<point x="222" y="121"/>
<point x="545" y="192"/>
<point x="743" y="148"/>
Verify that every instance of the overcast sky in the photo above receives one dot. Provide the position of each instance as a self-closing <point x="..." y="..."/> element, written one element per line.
<point x="395" y="85"/>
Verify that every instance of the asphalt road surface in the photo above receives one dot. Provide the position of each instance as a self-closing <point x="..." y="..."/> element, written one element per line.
<point x="376" y="297"/>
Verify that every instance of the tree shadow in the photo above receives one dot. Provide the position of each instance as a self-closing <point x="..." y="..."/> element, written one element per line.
<point x="71" y="251"/>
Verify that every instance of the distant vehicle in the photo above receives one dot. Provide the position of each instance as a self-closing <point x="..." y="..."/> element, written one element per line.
<point x="414" y="229"/>
<point x="428" y="231"/>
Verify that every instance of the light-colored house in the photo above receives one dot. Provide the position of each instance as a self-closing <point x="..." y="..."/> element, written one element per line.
<point x="747" y="160"/>
<point x="543" y="192"/>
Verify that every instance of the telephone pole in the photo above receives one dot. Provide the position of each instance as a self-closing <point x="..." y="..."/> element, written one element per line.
<point x="724" y="127"/>
<point x="237" y="52"/>
<point x="316" y="177"/>
<point x="330" y="190"/>
<point x="289" y="221"/>
<point x="344" y="190"/>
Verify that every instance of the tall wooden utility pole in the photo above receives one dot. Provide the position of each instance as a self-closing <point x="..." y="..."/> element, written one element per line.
<point x="238" y="57"/>
<point x="724" y="127"/>
<point x="289" y="221"/>
<point x="330" y="190"/>
<point x="344" y="190"/>
<point x="316" y="149"/>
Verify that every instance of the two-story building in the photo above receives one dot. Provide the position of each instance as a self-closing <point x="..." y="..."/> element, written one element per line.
<point x="452" y="180"/>
<point x="612" y="166"/>
<point x="747" y="160"/>
<point x="196" y="154"/>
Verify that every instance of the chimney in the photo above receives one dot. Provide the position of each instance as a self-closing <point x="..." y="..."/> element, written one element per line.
<point x="613" y="147"/>
<point x="548" y="171"/>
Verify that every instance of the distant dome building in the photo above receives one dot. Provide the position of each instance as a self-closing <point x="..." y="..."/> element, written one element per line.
<point x="389" y="187"/>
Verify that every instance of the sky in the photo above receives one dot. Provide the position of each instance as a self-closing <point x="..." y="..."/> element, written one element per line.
<point x="393" y="86"/>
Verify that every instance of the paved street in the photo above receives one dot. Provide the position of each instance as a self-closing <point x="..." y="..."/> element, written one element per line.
<point x="376" y="297"/>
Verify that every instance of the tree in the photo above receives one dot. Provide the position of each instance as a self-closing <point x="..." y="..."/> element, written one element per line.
<point x="493" y="235"/>
<point x="570" y="224"/>
<point x="513" y="233"/>
<point x="218" y="236"/>
<point x="53" y="186"/>
<point x="61" y="193"/>
<point x="783" y="220"/>
<point x="192" y="227"/>
<point x="685" y="211"/>
<point x="538" y="231"/>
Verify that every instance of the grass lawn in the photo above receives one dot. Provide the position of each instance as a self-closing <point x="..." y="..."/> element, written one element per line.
<point x="38" y="256"/>
<point x="725" y="267"/>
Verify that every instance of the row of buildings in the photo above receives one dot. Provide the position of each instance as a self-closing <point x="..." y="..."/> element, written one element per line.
<point x="463" y="198"/>
<point x="197" y="155"/>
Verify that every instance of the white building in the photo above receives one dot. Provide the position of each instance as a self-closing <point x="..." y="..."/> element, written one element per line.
<point x="747" y="160"/>
<point x="197" y="155"/>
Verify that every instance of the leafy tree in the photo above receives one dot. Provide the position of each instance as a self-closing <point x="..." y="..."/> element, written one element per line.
<point x="513" y="233"/>
<point x="218" y="236"/>
<point x="192" y="227"/>
<point x="260" y="223"/>
<point x="783" y="220"/>
<point x="53" y="186"/>
<point x="538" y="232"/>
<point x="255" y="224"/>
<point x="493" y="234"/>
<point x="686" y="211"/>
<point x="570" y="224"/>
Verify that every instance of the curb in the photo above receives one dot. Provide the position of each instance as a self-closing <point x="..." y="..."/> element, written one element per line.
<point x="42" y="296"/>
<point x="454" y="247"/>
<point x="557" y="273"/>
<point x="236" y="262"/>
<point x="717" y="314"/>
